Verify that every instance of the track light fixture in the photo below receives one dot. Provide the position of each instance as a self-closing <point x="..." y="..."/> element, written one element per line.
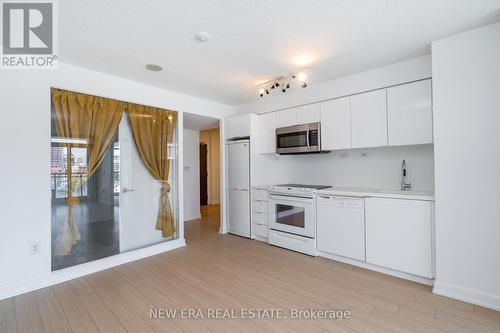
<point x="284" y="81"/>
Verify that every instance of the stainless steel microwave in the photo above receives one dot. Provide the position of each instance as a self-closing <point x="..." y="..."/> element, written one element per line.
<point x="299" y="139"/>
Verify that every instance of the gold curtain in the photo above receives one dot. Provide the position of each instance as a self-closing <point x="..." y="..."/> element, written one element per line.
<point x="152" y="129"/>
<point x="84" y="121"/>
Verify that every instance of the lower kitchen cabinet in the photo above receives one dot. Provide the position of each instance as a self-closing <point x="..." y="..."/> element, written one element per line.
<point x="259" y="214"/>
<point x="399" y="235"/>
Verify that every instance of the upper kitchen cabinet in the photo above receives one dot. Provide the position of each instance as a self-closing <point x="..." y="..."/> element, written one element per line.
<point x="238" y="126"/>
<point x="286" y="117"/>
<point x="308" y="114"/>
<point x="369" y="119"/>
<point x="336" y="124"/>
<point x="409" y="113"/>
<point x="267" y="132"/>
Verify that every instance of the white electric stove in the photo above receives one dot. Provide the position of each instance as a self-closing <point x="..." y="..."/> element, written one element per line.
<point x="292" y="216"/>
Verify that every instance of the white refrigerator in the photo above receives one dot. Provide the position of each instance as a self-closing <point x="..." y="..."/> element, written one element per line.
<point x="238" y="187"/>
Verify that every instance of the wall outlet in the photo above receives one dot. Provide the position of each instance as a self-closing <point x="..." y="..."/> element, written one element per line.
<point x="35" y="247"/>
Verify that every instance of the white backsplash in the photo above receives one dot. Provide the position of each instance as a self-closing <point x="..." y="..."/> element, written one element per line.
<point x="367" y="168"/>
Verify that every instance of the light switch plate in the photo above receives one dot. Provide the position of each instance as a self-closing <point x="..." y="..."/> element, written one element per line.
<point x="35" y="247"/>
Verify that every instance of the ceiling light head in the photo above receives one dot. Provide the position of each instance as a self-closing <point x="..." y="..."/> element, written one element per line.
<point x="301" y="76"/>
<point x="304" y="85"/>
<point x="153" y="68"/>
<point x="261" y="92"/>
<point x="202" y="36"/>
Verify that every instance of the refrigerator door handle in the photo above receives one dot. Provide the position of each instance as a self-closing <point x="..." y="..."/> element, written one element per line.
<point x="239" y="189"/>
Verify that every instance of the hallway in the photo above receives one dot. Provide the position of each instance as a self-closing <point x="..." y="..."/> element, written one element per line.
<point x="205" y="227"/>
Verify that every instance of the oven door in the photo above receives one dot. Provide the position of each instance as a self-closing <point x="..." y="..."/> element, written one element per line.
<point x="291" y="214"/>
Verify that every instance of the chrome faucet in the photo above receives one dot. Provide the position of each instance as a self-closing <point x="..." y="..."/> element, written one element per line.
<point x="405" y="186"/>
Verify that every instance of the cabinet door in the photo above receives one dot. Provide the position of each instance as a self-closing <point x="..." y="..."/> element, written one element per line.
<point x="267" y="129"/>
<point x="286" y="118"/>
<point x="398" y="235"/>
<point x="369" y="119"/>
<point x="238" y="126"/>
<point x="308" y="114"/>
<point x="336" y="124"/>
<point x="409" y="113"/>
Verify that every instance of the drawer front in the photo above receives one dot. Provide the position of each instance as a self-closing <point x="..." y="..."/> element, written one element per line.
<point x="259" y="206"/>
<point x="260" y="230"/>
<point x="259" y="218"/>
<point x="259" y="194"/>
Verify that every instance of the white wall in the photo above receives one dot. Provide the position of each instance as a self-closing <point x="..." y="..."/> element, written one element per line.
<point x="191" y="174"/>
<point x="466" y="90"/>
<point x="366" y="168"/>
<point x="25" y="151"/>
<point x="401" y="72"/>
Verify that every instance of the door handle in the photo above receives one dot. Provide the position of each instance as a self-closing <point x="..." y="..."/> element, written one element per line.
<point x="125" y="190"/>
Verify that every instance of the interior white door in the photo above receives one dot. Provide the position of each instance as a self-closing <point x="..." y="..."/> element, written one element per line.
<point x="139" y="196"/>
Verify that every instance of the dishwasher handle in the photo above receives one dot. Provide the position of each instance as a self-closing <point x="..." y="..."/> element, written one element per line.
<point x="347" y="202"/>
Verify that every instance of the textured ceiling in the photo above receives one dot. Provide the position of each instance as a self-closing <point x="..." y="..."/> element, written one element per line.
<point x="254" y="40"/>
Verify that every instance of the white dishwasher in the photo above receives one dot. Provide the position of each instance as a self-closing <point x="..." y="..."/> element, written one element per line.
<point x="341" y="226"/>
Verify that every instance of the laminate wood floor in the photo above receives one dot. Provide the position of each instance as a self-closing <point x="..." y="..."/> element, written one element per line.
<point x="225" y="271"/>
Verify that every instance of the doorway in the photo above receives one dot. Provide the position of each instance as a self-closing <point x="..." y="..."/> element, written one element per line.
<point x="201" y="150"/>
<point x="203" y="174"/>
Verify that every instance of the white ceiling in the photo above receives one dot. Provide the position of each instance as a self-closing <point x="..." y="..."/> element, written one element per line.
<point x="254" y="40"/>
<point x="196" y="122"/>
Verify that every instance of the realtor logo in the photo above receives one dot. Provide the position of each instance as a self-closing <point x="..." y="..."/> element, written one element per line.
<point x="28" y="34"/>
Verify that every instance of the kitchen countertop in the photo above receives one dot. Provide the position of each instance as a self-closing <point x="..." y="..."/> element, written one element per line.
<point x="378" y="193"/>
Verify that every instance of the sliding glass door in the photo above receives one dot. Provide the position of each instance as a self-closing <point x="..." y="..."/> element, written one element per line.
<point x="105" y="200"/>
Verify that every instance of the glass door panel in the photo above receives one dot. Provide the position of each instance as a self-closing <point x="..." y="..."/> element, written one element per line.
<point x="111" y="211"/>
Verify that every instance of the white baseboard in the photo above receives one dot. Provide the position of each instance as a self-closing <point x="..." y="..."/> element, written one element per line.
<point x="88" y="268"/>
<point x="467" y="295"/>
<point x="191" y="216"/>
<point x="388" y="271"/>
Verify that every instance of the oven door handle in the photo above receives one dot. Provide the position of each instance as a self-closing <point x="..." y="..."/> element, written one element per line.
<point x="290" y="198"/>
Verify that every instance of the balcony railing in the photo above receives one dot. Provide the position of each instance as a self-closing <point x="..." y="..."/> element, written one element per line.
<point x="59" y="185"/>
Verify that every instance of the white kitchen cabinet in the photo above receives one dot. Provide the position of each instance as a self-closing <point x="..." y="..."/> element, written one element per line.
<point x="369" y="119"/>
<point x="238" y="126"/>
<point x="259" y="214"/>
<point x="336" y="124"/>
<point x="399" y="235"/>
<point x="341" y="226"/>
<point x="267" y="133"/>
<point x="286" y="117"/>
<point x="409" y="113"/>
<point x="307" y="114"/>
